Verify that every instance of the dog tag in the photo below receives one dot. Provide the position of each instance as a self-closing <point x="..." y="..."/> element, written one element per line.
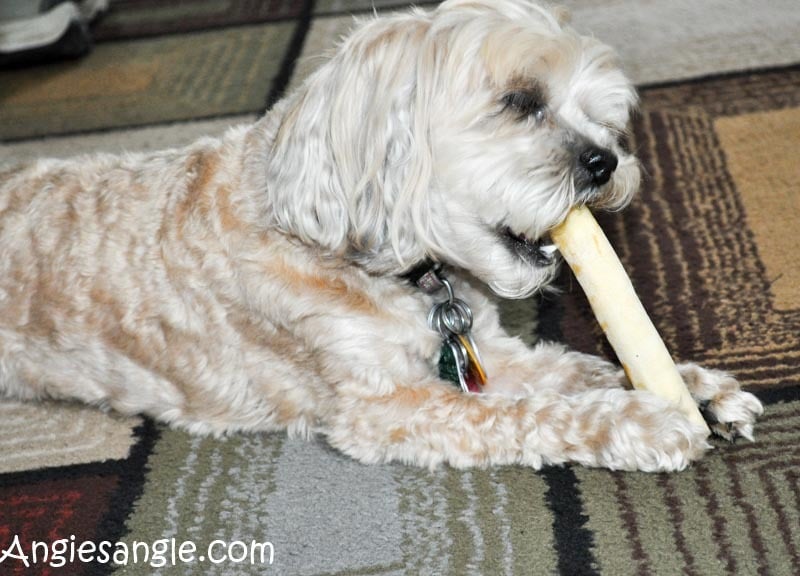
<point x="451" y="367"/>
<point x="459" y="358"/>
<point x="455" y="366"/>
<point x="474" y="364"/>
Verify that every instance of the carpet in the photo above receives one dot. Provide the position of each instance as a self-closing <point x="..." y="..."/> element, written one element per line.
<point x="709" y="244"/>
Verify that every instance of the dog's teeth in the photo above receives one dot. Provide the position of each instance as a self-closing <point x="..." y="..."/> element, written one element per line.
<point x="548" y="250"/>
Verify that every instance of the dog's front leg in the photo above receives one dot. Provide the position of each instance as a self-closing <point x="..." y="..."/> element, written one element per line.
<point x="517" y="370"/>
<point x="432" y="422"/>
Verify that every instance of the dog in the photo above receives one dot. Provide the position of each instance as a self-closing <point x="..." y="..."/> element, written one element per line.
<point x="263" y="281"/>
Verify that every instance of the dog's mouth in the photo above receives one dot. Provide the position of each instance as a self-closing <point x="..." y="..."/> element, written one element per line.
<point x="538" y="252"/>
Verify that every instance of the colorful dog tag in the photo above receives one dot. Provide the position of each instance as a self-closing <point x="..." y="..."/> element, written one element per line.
<point x="459" y="358"/>
<point x="474" y="358"/>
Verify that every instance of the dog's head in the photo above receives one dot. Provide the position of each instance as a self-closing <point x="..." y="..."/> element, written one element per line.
<point x="464" y="134"/>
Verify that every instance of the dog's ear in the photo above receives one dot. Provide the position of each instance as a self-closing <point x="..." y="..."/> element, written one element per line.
<point x="349" y="150"/>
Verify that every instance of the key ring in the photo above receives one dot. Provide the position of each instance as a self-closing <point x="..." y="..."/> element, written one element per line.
<point x="452" y="317"/>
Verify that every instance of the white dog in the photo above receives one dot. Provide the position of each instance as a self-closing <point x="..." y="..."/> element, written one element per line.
<point x="261" y="281"/>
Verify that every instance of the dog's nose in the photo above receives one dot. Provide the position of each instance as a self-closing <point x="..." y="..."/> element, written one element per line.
<point x="599" y="163"/>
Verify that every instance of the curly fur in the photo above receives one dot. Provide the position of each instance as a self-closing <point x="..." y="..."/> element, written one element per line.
<point x="254" y="282"/>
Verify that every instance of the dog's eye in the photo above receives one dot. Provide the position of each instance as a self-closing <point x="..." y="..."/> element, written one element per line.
<point x="624" y="141"/>
<point x="621" y="135"/>
<point x="526" y="104"/>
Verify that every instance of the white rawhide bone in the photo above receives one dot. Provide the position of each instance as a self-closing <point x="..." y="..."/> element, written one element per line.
<point x="621" y="315"/>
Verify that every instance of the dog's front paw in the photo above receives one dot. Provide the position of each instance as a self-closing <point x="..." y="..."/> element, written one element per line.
<point x="636" y="430"/>
<point x="729" y="411"/>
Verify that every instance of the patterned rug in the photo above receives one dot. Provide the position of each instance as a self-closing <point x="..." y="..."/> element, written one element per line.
<point x="709" y="244"/>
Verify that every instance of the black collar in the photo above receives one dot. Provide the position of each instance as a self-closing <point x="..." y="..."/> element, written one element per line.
<point x="425" y="276"/>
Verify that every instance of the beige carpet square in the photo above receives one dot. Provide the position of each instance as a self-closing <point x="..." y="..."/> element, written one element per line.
<point x="761" y="152"/>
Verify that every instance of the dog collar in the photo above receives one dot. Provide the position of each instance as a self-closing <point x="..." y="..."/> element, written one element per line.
<point x="425" y="276"/>
<point x="459" y="359"/>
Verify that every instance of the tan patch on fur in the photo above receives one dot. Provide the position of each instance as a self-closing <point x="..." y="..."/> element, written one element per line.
<point x="286" y="412"/>
<point x="227" y="218"/>
<point x="398" y="435"/>
<point x="205" y="198"/>
<point x="410" y="395"/>
<point x="544" y="414"/>
<point x="482" y="415"/>
<point x="47" y="302"/>
<point x="633" y="412"/>
<point x="330" y="287"/>
<point x="277" y="340"/>
<point x="596" y="435"/>
<point x="201" y="168"/>
<point x="134" y="344"/>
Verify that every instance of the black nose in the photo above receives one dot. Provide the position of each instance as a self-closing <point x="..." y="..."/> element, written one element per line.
<point x="599" y="163"/>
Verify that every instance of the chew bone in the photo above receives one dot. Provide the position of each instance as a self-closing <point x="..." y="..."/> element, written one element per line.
<point x="621" y="315"/>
